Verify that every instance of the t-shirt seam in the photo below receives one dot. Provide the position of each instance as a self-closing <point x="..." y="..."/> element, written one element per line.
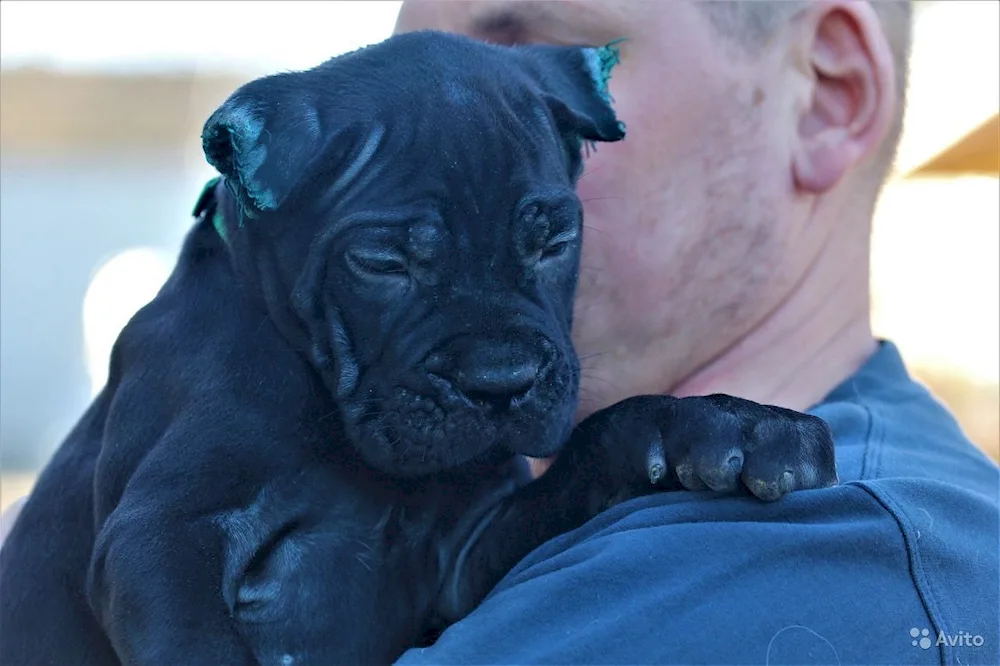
<point x="921" y="582"/>
<point x="872" y="457"/>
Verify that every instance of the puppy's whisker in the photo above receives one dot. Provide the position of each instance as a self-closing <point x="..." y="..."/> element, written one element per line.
<point x="587" y="173"/>
<point x="587" y="394"/>
<point x="263" y="321"/>
<point x="326" y="417"/>
<point x="601" y="199"/>
<point x="363" y="561"/>
<point x="607" y="382"/>
<point x="595" y="230"/>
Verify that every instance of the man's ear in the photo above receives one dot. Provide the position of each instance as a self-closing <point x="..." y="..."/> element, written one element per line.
<point x="574" y="82"/>
<point x="853" y="96"/>
<point x="262" y="148"/>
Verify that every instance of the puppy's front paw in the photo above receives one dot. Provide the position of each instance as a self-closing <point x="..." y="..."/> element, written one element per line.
<point x="772" y="451"/>
<point x="717" y="443"/>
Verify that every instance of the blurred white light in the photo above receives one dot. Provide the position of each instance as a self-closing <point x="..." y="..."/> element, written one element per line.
<point x="935" y="261"/>
<point x="954" y="77"/>
<point x="249" y="36"/>
<point x="119" y="288"/>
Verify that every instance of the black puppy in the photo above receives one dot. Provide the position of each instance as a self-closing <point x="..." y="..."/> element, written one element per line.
<point x="306" y="452"/>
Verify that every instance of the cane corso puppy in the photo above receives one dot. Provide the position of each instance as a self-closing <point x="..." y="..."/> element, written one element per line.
<point x="309" y="447"/>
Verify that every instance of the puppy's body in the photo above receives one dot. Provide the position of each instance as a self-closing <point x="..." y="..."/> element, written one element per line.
<point x="358" y="556"/>
<point x="306" y="450"/>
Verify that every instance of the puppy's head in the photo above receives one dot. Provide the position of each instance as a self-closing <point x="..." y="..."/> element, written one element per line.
<point x="415" y="201"/>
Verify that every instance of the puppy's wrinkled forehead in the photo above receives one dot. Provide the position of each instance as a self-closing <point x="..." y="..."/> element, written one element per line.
<point x="475" y="148"/>
<point x="438" y="113"/>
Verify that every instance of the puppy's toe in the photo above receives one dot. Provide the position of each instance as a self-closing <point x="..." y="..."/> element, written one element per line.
<point x="790" y="454"/>
<point x="720" y="469"/>
<point x="771" y="489"/>
<point x="688" y="477"/>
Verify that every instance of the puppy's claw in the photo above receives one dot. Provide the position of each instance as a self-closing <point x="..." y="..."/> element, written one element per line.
<point x="656" y="460"/>
<point x="787" y="482"/>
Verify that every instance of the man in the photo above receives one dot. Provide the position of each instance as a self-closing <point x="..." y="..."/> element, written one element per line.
<point x="726" y="251"/>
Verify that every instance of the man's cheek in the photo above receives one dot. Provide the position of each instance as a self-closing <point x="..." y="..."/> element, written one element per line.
<point x="604" y="188"/>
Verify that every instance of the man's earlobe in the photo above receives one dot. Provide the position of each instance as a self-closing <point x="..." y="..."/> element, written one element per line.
<point x="852" y="94"/>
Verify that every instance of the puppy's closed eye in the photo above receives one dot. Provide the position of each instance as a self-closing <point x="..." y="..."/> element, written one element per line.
<point x="377" y="263"/>
<point x="559" y="244"/>
<point x="549" y="226"/>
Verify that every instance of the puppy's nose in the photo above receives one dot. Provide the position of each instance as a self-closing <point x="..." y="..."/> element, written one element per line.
<point x="495" y="373"/>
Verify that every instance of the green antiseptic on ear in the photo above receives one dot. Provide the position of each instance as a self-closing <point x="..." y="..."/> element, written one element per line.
<point x="203" y="197"/>
<point x="203" y="202"/>
<point x="220" y="225"/>
<point x="600" y="62"/>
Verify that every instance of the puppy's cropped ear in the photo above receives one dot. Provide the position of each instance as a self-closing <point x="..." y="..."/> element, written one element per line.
<point x="263" y="143"/>
<point x="574" y="82"/>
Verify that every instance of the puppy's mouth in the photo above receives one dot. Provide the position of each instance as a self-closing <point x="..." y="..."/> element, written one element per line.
<point x="411" y="432"/>
<point x="484" y="401"/>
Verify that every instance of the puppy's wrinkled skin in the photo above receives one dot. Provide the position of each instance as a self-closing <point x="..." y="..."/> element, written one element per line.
<point x="417" y="213"/>
<point x="306" y="450"/>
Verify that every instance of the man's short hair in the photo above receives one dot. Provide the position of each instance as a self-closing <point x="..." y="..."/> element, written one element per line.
<point x="750" y="23"/>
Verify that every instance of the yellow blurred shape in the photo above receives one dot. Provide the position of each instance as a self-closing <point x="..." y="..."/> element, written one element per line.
<point x="978" y="152"/>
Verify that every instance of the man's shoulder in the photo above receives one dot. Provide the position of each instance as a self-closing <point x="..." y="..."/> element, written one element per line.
<point x="889" y="427"/>
<point x="818" y="577"/>
<point x="847" y="574"/>
<point x="902" y="447"/>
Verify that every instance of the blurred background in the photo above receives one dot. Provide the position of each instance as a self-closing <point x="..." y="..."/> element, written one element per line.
<point x="101" y="106"/>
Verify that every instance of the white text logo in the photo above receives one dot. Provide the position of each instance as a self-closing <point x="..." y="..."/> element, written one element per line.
<point x="922" y="639"/>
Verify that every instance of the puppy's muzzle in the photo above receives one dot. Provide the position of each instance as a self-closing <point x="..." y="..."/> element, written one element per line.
<point x="491" y="374"/>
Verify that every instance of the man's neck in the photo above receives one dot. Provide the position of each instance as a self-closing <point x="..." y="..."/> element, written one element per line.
<point x="786" y="368"/>
<point x="819" y="337"/>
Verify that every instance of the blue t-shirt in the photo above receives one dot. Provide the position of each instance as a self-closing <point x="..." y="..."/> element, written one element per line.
<point x="896" y="565"/>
